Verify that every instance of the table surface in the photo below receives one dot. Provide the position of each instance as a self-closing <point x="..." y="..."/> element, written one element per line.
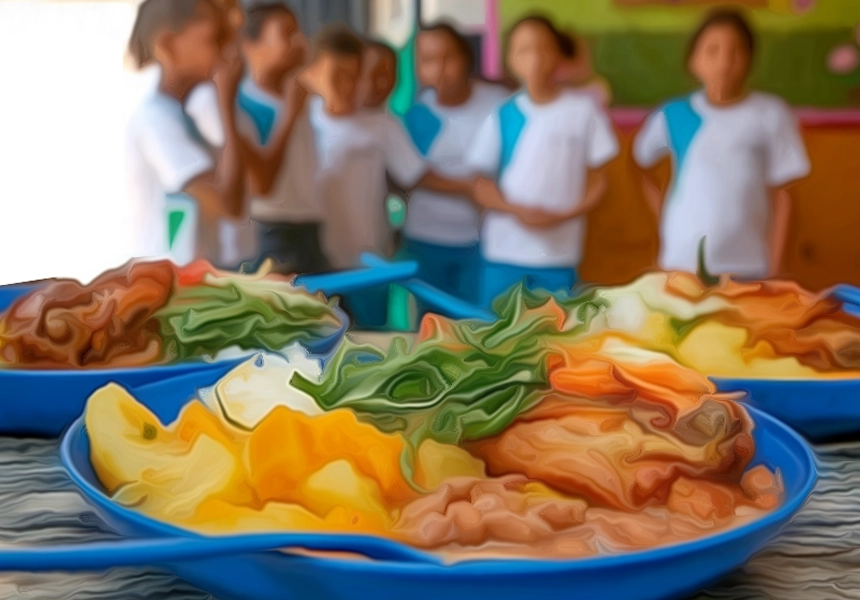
<point x="817" y="556"/>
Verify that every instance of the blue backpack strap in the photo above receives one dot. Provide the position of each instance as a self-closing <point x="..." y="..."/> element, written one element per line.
<point x="512" y="121"/>
<point x="423" y="126"/>
<point x="683" y="122"/>
<point x="262" y="115"/>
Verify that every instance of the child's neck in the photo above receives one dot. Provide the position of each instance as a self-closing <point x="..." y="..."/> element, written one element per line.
<point x="723" y="97"/>
<point x="543" y="92"/>
<point x="270" y="81"/>
<point x="172" y="84"/>
<point x="339" y="108"/>
<point x="455" y="97"/>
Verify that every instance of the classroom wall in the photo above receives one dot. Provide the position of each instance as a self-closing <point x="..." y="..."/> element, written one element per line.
<point x="640" y="49"/>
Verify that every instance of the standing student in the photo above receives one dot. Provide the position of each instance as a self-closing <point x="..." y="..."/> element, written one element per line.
<point x="227" y="240"/>
<point x="279" y="142"/>
<point x="547" y="147"/>
<point x="355" y="150"/>
<point x="377" y="82"/>
<point x="379" y="76"/>
<point x="734" y="154"/>
<point x="441" y="230"/>
<point x="167" y="155"/>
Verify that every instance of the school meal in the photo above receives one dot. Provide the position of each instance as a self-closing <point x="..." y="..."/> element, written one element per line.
<point x="471" y="440"/>
<point x="152" y="313"/>
<point x="764" y="329"/>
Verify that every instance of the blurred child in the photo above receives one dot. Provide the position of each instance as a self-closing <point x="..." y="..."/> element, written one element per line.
<point x="547" y="146"/>
<point x="227" y="240"/>
<point x="379" y="75"/>
<point x="378" y="79"/>
<point x="577" y="71"/>
<point x="355" y="150"/>
<point x="280" y="145"/>
<point x="441" y="230"/>
<point x="734" y="152"/>
<point x="167" y="155"/>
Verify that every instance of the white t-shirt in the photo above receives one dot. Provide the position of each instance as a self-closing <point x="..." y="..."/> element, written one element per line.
<point x="353" y="155"/>
<point x="725" y="159"/>
<point x="164" y="153"/>
<point x="201" y="104"/>
<point x="542" y="154"/>
<point x="292" y="197"/>
<point x="443" y="135"/>
<point x="232" y="240"/>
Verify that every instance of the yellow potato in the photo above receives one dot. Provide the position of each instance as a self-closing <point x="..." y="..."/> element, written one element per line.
<point x="437" y="462"/>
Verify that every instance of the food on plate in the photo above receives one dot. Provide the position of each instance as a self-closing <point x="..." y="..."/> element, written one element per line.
<point x="766" y="329"/>
<point x="148" y="313"/>
<point x="475" y="440"/>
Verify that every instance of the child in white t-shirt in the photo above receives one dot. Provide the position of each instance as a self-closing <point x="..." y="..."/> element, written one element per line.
<point x="279" y="142"/>
<point x="355" y="151"/>
<point x="167" y="156"/>
<point x="734" y="153"/>
<point x="378" y="76"/>
<point x="441" y="230"/>
<point x="547" y="146"/>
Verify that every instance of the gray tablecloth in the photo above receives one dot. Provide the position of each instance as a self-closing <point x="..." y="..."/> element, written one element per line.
<point x="817" y="556"/>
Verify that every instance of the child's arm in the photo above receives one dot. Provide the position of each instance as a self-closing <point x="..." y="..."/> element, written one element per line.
<point x="779" y="228"/>
<point x="650" y="146"/>
<point x="595" y="190"/>
<point x="445" y="185"/>
<point x="409" y="170"/>
<point x="264" y="163"/>
<point x="787" y="163"/>
<point x="221" y="191"/>
<point x="653" y="192"/>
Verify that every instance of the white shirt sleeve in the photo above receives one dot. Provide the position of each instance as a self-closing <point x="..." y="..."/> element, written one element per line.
<point x="787" y="160"/>
<point x="602" y="142"/>
<point x="485" y="152"/>
<point x="402" y="159"/>
<point x="652" y="141"/>
<point x="169" y="148"/>
<point x="202" y="106"/>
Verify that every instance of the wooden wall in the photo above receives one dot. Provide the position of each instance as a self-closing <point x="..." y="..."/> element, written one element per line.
<point x="824" y="244"/>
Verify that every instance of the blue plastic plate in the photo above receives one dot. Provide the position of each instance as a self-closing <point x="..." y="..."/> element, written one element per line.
<point x="665" y="573"/>
<point x="10" y="293"/>
<point x="44" y="403"/>
<point x="817" y="408"/>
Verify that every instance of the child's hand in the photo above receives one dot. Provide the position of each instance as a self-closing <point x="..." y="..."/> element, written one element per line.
<point x="539" y="218"/>
<point x="294" y="97"/>
<point x="486" y="194"/>
<point x="229" y="72"/>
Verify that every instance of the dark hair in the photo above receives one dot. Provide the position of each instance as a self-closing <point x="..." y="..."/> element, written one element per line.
<point x="258" y="14"/>
<point x="567" y="45"/>
<point x="720" y="17"/>
<point x="461" y="42"/>
<point x="564" y="42"/>
<point x="339" y="40"/>
<point x="154" y="17"/>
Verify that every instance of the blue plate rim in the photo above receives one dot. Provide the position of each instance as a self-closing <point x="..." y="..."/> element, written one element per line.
<point x="334" y="340"/>
<point x="717" y="379"/>
<point x="524" y="566"/>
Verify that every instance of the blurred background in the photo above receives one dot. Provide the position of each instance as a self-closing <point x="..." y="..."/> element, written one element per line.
<point x="68" y="89"/>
